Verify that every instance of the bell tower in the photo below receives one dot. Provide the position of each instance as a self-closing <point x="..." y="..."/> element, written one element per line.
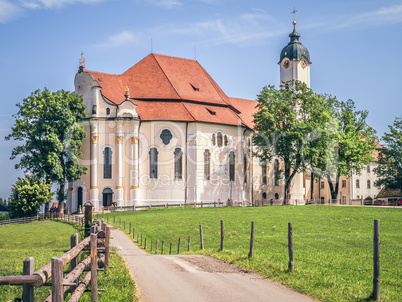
<point x="295" y="61"/>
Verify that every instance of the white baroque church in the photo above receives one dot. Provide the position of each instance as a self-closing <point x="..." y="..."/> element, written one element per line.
<point x="164" y="132"/>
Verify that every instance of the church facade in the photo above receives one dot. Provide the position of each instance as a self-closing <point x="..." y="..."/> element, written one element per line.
<point x="164" y="132"/>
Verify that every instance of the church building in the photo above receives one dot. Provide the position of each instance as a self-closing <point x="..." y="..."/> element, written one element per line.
<point x="164" y="132"/>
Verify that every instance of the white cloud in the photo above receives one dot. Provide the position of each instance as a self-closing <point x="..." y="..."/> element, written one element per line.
<point x="168" y="3"/>
<point x="120" y="39"/>
<point x="35" y="4"/>
<point x="235" y="30"/>
<point x="8" y="11"/>
<point x="384" y="15"/>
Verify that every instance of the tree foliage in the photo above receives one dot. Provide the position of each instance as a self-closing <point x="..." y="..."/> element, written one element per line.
<point x="27" y="195"/>
<point x="353" y="143"/>
<point x="285" y="123"/>
<point x="47" y="124"/>
<point x="389" y="168"/>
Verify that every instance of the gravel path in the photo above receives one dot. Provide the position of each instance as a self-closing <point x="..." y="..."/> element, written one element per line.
<point x="195" y="278"/>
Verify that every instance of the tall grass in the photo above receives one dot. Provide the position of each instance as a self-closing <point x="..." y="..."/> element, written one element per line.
<point x="333" y="246"/>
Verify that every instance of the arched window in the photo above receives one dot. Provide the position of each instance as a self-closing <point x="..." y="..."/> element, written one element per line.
<point x="245" y="167"/>
<point x="219" y="139"/>
<point x="276" y="196"/>
<point x="166" y="136"/>
<point x="368" y="184"/>
<point x="276" y="172"/>
<point x="231" y="166"/>
<point x="153" y="163"/>
<point x="357" y="184"/>
<point x="107" y="111"/>
<point x="226" y="140"/>
<point x="368" y="169"/>
<point x="107" y="163"/>
<point x="178" y="163"/>
<point x="264" y="174"/>
<point x="213" y="139"/>
<point x="207" y="165"/>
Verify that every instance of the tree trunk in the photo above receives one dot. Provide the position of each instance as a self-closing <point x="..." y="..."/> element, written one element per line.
<point x="60" y="197"/>
<point x="334" y="190"/>
<point x="312" y="186"/>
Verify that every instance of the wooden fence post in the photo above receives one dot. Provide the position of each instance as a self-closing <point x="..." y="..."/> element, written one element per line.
<point x="163" y="245"/>
<point x="107" y="249"/>
<point x="178" y="246"/>
<point x="250" y="254"/>
<point x="141" y="239"/>
<point x="145" y="244"/>
<point x="28" y="289"/>
<point x="124" y="225"/>
<point x="290" y="247"/>
<point x="94" y="269"/>
<point x="222" y="235"/>
<point x="138" y="238"/>
<point x="201" y="238"/>
<point x="119" y="222"/>
<point x="156" y="248"/>
<point x="133" y="232"/>
<point x="57" y="280"/>
<point x="376" y="260"/>
<point x="170" y="249"/>
<point x="129" y="230"/>
<point x="189" y="242"/>
<point x="152" y="244"/>
<point x="88" y="217"/>
<point x="74" y="262"/>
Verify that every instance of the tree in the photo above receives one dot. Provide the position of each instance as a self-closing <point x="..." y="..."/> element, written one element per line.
<point x="285" y="120"/>
<point x="389" y="169"/>
<point x="48" y="124"/>
<point x="27" y="195"/>
<point x="353" y="144"/>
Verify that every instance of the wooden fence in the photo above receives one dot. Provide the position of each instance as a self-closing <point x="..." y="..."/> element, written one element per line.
<point x="98" y="246"/>
<point x="291" y="261"/>
<point x="73" y="218"/>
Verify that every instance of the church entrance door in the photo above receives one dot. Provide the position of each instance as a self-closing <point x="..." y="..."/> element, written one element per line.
<point x="107" y="197"/>
<point x="79" y="197"/>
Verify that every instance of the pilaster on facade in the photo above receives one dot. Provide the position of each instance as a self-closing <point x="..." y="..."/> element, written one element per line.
<point x="119" y="197"/>
<point x="94" y="191"/>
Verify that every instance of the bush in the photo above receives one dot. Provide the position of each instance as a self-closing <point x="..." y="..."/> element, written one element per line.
<point x="27" y="195"/>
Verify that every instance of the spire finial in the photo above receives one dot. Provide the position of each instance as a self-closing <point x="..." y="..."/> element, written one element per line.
<point x="82" y="63"/>
<point x="294" y="17"/>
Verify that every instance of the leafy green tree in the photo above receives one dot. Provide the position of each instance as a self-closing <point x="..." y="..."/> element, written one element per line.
<point x="48" y="125"/>
<point x="3" y="202"/>
<point x="389" y="168"/>
<point x="27" y="195"/>
<point x="285" y="122"/>
<point x="352" y="144"/>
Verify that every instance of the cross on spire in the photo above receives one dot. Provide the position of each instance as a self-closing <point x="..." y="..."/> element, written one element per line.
<point x="294" y="13"/>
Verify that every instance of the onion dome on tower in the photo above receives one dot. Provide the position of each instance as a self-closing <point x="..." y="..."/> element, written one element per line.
<point x="295" y="51"/>
<point x="295" y="61"/>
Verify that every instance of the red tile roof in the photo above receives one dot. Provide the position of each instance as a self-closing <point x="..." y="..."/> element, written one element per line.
<point x="176" y="89"/>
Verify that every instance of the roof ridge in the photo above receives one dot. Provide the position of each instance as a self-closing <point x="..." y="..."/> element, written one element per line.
<point x="166" y="76"/>
<point x="184" y="105"/>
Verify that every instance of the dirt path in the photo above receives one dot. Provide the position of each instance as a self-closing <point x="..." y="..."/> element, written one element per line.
<point x="195" y="278"/>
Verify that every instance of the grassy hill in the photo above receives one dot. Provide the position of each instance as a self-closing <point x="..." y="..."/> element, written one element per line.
<point x="333" y="246"/>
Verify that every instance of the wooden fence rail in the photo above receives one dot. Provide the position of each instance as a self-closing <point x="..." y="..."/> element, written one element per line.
<point x="74" y="218"/>
<point x="98" y="245"/>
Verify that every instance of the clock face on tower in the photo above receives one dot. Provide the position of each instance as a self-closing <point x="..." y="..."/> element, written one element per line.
<point x="286" y="64"/>
<point x="303" y="63"/>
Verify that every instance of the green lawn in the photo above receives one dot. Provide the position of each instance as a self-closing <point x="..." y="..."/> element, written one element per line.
<point x="43" y="240"/>
<point x="333" y="245"/>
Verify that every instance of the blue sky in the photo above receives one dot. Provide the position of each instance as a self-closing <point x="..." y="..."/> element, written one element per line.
<point x="353" y="45"/>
